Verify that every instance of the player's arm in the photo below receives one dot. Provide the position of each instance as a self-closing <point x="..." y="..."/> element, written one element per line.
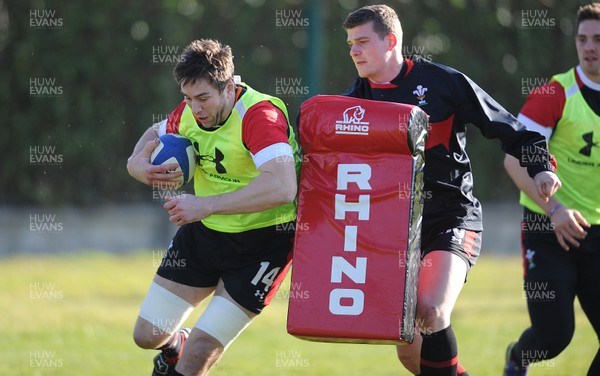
<point x="140" y="168"/>
<point x="524" y="182"/>
<point x="546" y="110"/>
<point x="568" y="223"/>
<point x="276" y="185"/>
<point x="475" y="106"/>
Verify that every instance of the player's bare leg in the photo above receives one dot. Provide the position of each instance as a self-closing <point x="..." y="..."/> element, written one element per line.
<point x="409" y="355"/>
<point x="441" y="279"/>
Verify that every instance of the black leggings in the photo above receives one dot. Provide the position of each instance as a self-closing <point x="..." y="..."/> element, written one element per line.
<point x="553" y="277"/>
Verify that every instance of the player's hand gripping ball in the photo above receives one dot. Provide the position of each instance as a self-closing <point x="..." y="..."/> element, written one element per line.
<point x="175" y="148"/>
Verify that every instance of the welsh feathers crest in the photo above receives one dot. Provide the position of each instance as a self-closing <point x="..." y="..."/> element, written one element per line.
<point x="420" y="93"/>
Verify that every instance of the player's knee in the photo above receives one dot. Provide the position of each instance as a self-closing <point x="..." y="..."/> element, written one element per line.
<point x="555" y="342"/>
<point x="432" y="318"/>
<point x="563" y="341"/>
<point x="161" y="314"/>
<point x="145" y="339"/>
<point x="548" y="342"/>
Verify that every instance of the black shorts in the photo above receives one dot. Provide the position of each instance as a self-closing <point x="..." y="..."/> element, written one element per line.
<point x="466" y="244"/>
<point x="251" y="264"/>
<point x="544" y="258"/>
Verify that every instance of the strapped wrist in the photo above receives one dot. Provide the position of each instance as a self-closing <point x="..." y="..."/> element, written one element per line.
<point x="554" y="209"/>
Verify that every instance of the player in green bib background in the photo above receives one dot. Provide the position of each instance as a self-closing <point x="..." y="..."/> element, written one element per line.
<point x="561" y="237"/>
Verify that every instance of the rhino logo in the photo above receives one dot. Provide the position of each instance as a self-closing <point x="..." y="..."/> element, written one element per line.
<point x="352" y="123"/>
<point x="354" y="115"/>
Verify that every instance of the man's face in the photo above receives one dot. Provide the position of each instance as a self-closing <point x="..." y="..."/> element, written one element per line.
<point x="209" y="106"/>
<point x="587" y="42"/>
<point x="369" y="53"/>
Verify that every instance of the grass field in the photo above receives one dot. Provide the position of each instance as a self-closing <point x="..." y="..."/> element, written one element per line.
<point x="73" y="315"/>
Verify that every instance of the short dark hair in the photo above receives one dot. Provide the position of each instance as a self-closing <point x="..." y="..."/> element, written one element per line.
<point x="385" y="20"/>
<point x="205" y="59"/>
<point x="588" y="12"/>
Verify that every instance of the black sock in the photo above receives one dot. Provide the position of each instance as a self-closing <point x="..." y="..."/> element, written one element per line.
<point x="516" y="354"/>
<point x="460" y="371"/>
<point x="439" y="353"/>
<point x="514" y="358"/>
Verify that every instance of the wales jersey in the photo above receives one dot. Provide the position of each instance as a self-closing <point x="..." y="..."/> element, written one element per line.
<point x="453" y="101"/>
<point x="229" y="155"/>
<point x="567" y="112"/>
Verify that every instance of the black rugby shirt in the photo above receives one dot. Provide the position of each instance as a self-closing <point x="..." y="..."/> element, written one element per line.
<point x="452" y="101"/>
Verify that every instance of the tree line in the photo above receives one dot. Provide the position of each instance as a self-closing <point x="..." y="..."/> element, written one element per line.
<point x="82" y="80"/>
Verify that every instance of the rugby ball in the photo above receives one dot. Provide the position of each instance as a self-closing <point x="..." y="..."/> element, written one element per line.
<point x="175" y="148"/>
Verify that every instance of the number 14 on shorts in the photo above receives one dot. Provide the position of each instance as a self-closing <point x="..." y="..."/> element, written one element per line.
<point x="267" y="278"/>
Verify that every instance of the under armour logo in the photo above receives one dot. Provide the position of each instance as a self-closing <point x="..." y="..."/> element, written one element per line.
<point x="589" y="140"/>
<point x="260" y="294"/>
<point x="217" y="159"/>
<point x="458" y="235"/>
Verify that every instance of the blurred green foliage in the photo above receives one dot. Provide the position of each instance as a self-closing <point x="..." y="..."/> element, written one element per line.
<point x="81" y="80"/>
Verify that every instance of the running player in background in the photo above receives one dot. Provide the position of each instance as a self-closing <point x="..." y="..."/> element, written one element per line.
<point x="561" y="236"/>
<point x="230" y="240"/>
<point x="451" y="232"/>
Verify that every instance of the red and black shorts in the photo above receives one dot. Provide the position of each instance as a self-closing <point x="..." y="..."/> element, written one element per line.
<point x="466" y="244"/>
<point x="251" y="264"/>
